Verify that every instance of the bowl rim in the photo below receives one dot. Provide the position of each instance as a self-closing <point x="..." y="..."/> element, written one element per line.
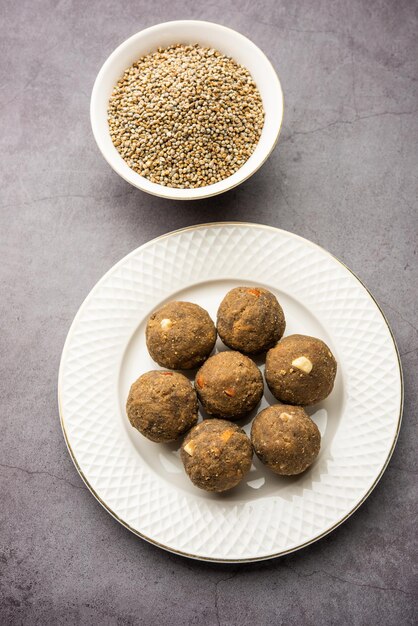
<point x="162" y="191"/>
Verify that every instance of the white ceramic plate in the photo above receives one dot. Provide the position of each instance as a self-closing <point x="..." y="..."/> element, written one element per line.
<point x="142" y="484"/>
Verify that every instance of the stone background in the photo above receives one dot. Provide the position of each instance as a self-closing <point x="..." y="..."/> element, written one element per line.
<point x="344" y="174"/>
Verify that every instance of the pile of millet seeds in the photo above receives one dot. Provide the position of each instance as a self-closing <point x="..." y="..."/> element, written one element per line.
<point x="185" y="116"/>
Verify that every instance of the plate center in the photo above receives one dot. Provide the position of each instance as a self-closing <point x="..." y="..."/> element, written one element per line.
<point x="164" y="459"/>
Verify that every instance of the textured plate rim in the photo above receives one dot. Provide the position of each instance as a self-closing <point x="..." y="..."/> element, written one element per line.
<point x="187" y="554"/>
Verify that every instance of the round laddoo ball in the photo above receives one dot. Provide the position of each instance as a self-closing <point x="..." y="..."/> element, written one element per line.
<point x="300" y="370"/>
<point x="229" y="385"/>
<point x="250" y="320"/>
<point x="180" y="335"/>
<point x="162" y="405"/>
<point x="216" y="455"/>
<point x="285" y="439"/>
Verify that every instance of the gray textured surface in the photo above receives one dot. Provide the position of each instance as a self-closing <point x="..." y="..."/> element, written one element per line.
<point x="344" y="174"/>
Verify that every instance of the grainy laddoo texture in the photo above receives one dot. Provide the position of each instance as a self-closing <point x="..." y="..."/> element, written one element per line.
<point x="162" y="405"/>
<point x="300" y="370"/>
<point x="229" y="385"/>
<point x="185" y="116"/>
<point x="180" y="335"/>
<point x="250" y="319"/>
<point x="285" y="439"/>
<point x="216" y="454"/>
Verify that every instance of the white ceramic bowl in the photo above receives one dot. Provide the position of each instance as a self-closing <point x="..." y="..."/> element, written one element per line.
<point x="207" y="34"/>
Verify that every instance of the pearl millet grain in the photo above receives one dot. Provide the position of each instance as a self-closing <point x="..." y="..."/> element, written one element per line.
<point x="185" y="116"/>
